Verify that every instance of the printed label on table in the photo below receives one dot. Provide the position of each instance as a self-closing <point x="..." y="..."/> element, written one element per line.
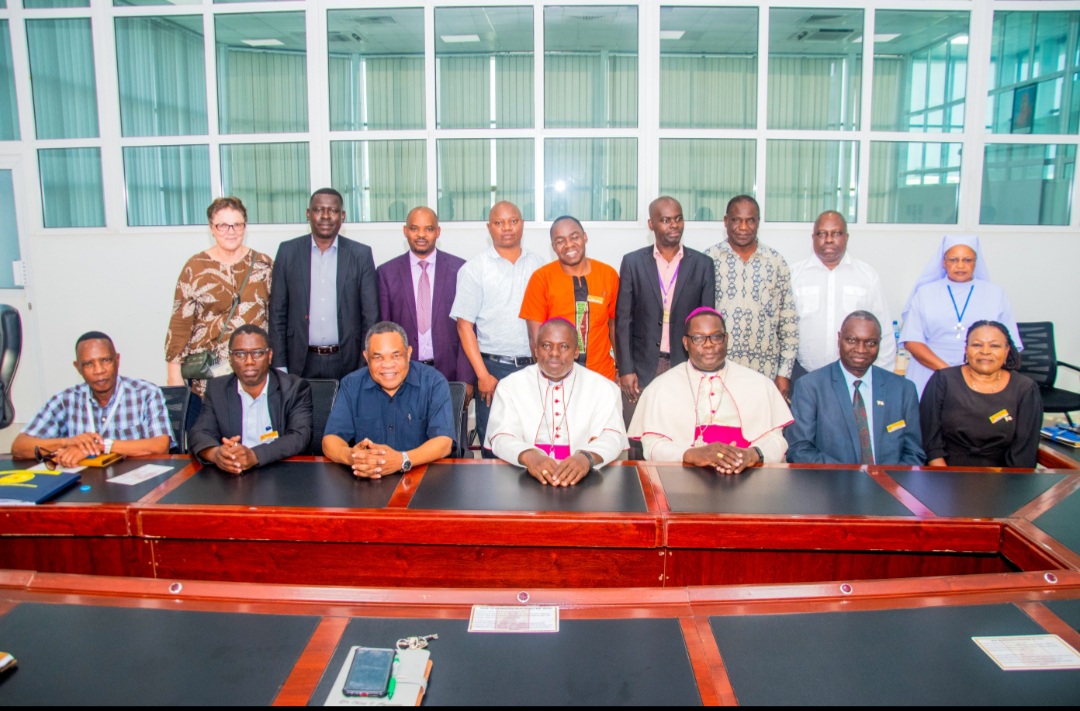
<point x="507" y="618"/>
<point x="1035" y="652"/>
<point x="143" y="473"/>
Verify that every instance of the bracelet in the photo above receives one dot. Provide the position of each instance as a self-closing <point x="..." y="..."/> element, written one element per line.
<point x="588" y="455"/>
<point x="760" y="454"/>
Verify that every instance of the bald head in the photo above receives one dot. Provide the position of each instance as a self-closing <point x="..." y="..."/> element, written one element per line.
<point x="666" y="223"/>
<point x="505" y="227"/>
<point x="830" y="238"/>
<point x="422" y="230"/>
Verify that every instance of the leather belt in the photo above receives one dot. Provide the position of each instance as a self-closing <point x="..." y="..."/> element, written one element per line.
<point x="427" y="362"/>
<point x="665" y="356"/>
<point x="324" y="350"/>
<point x="509" y="360"/>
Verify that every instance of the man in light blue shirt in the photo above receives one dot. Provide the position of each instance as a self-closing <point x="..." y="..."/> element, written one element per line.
<point x="490" y="290"/>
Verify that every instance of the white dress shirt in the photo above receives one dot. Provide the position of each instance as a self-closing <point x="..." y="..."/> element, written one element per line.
<point x="824" y="297"/>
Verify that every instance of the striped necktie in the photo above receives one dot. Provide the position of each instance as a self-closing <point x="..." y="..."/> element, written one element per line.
<point x="867" y="452"/>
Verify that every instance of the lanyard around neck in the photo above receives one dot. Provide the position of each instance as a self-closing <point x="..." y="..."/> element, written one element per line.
<point x="958" y="312"/>
<point x="112" y="411"/>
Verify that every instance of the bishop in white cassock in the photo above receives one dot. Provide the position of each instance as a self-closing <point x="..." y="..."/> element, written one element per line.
<point x="556" y="418"/>
<point x="710" y="411"/>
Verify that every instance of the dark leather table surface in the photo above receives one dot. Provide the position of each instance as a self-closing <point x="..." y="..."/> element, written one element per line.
<point x="973" y="494"/>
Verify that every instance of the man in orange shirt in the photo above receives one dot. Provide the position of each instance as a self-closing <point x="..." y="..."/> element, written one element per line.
<point x="581" y="290"/>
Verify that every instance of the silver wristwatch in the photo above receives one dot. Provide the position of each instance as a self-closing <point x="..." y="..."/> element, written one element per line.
<point x="406" y="463"/>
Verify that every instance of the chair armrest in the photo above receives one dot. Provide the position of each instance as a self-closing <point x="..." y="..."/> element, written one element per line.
<point x="1068" y="365"/>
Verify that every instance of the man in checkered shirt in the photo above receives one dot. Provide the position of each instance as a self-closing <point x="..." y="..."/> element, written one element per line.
<point x="107" y="413"/>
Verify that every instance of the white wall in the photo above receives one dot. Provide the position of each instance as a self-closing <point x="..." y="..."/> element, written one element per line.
<point x="124" y="285"/>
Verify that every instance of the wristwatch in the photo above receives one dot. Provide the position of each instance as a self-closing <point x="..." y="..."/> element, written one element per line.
<point x="406" y="463"/>
<point x="108" y="446"/>
<point x="760" y="454"/>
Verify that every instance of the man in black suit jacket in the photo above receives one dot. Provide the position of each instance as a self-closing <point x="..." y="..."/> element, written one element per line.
<point x="324" y="296"/>
<point x="658" y="288"/>
<point x="254" y="416"/>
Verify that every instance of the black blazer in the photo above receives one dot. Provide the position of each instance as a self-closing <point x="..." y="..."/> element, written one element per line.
<point x="290" y="301"/>
<point x="639" y="313"/>
<point x="221" y="416"/>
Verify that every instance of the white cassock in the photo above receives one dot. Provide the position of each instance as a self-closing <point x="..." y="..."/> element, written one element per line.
<point x="680" y="406"/>
<point x="583" y="411"/>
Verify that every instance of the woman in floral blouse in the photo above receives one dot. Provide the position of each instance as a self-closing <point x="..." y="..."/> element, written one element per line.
<point x="205" y="291"/>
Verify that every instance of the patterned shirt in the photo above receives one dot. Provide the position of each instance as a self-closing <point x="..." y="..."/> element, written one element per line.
<point x="137" y="412"/>
<point x="204" y="294"/>
<point x="758" y="305"/>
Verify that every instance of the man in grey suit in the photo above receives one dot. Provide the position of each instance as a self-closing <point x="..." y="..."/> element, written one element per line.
<point x="853" y="412"/>
<point x="324" y="296"/>
<point x="658" y="288"/>
<point x="254" y="416"/>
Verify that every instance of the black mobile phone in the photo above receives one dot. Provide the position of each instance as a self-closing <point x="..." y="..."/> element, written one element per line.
<point x="369" y="674"/>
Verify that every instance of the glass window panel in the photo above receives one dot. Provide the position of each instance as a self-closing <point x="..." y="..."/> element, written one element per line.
<point x="9" y="109"/>
<point x="914" y="182"/>
<point x="703" y="174"/>
<point x="470" y="44"/>
<point x="62" y="77"/>
<point x="9" y="231"/>
<point x="262" y="72"/>
<point x="1074" y="105"/>
<point x="708" y="67"/>
<point x="124" y="3"/>
<point x="474" y="174"/>
<point x="815" y="68"/>
<point x="36" y="4"/>
<point x="160" y="63"/>
<point x="167" y="185"/>
<point x="590" y="178"/>
<point x="805" y="178"/>
<point x="376" y="69"/>
<point x="71" y="187"/>
<point x="1031" y="66"/>
<point x="1027" y="184"/>
<point x="380" y="180"/>
<point x="590" y="67"/>
<point x="271" y="178"/>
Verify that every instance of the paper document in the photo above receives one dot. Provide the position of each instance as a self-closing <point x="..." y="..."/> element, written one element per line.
<point x="509" y="618"/>
<point x="43" y="467"/>
<point x="143" y="473"/>
<point x="1034" y="652"/>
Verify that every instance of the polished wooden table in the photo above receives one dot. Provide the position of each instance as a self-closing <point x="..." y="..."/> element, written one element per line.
<point x="100" y="640"/>
<point x="470" y="523"/>
<point x="1058" y="456"/>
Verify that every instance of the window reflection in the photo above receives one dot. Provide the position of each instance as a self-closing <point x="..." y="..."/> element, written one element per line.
<point x="590" y="178"/>
<point x="914" y="182"/>
<point x="71" y="187"/>
<point x="380" y="180"/>
<point x="9" y="110"/>
<point x="271" y="178"/>
<point x="167" y="185"/>
<point x="1027" y="184"/>
<point x="808" y="177"/>
<point x="703" y="174"/>
<point x="474" y="174"/>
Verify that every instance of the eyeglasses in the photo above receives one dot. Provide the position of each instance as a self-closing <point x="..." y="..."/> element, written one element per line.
<point x="835" y="234"/>
<point x="44" y="455"/>
<point x="714" y="338"/>
<point x="256" y="354"/>
<point x="332" y="211"/>
<point x="224" y="227"/>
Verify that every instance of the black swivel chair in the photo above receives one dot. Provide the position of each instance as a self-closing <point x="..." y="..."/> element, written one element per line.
<point x="1039" y="362"/>
<point x="461" y="420"/>
<point x="177" y="400"/>
<point x="323" y="393"/>
<point x="10" y="352"/>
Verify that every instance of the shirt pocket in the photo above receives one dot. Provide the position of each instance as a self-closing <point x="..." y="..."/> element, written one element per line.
<point x="852" y="297"/>
<point x="808" y="300"/>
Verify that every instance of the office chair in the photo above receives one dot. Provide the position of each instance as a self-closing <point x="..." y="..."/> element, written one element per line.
<point x="177" y="400"/>
<point x="1039" y="362"/>
<point x="323" y="394"/>
<point x="10" y="352"/>
<point x="461" y="422"/>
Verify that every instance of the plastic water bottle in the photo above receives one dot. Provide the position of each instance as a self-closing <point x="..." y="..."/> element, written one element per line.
<point x="901" y="353"/>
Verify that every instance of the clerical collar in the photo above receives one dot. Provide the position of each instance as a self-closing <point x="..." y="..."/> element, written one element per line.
<point x="706" y="373"/>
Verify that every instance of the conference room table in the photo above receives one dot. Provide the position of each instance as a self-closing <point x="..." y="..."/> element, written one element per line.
<point x="1054" y="455"/>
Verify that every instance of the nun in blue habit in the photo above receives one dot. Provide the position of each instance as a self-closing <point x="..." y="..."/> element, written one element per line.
<point x="953" y="292"/>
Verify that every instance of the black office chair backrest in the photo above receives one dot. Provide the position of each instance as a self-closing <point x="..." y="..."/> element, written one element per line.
<point x="177" y="401"/>
<point x="323" y="393"/>
<point x="10" y="352"/>
<point x="457" y="402"/>
<point x="1038" y="360"/>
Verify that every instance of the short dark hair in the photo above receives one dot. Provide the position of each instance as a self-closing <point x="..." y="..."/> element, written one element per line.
<point x="385" y="327"/>
<point x="1012" y="359"/>
<point x="560" y="218"/>
<point x="741" y="198"/>
<point x="93" y="336"/>
<point x="249" y="329"/>
<point x="327" y="191"/>
<point x="861" y="315"/>
<point x="222" y="203"/>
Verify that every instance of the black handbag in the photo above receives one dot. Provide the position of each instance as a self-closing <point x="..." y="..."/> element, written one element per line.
<point x="200" y="364"/>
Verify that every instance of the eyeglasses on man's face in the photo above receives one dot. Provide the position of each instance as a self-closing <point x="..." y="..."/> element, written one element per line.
<point x="714" y="338"/>
<point x="255" y="354"/>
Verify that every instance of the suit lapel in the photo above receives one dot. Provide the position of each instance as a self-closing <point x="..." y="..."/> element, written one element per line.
<point x="847" y="409"/>
<point x="652" y="275"/>
<point x="274" y="401"/>
<point x="235" y="409"/>
<point x="880" y="398"/>
<point x="305" y="279"/>
<point x="405" y="274"/>
<point x="682" y="279"/>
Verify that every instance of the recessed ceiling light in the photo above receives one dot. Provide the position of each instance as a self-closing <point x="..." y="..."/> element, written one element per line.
<point x="878" y="39"/>
<point x="672" y="34"/>
<point x="959" y="39"/>
<point x="263" y="43"/>
<point x="451" y="39"/>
